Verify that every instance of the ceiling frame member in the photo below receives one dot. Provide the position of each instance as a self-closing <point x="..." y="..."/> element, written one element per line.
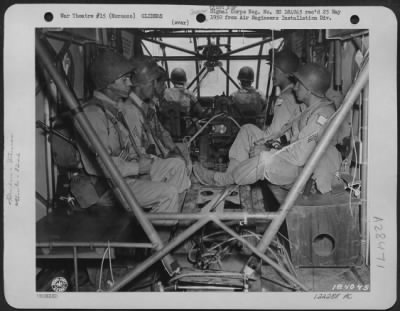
<point x="229" y="77"/>
<point x="203" y="34"/>
<point x="196" y="78"/>
<point x="174" y="47"/>
<point x="228" y="63"/>
<point x="197" y="65"/>
<point x="246" y="47"/>
<point x="145" y="47"/>
<point x="191" y="58"/>
<point x="166" y="65"/>
<point x="259" y="65"/>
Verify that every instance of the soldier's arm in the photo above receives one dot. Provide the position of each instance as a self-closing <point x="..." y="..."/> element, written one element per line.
<point x="282" y="115"/>
<point x="300" y="150"/>
<point x="195" y="107"/>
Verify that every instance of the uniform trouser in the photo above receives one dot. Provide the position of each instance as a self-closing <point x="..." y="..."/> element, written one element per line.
<point x="270" y="166"/>
<point x="158" y="191"/>
<point x="266" y="165"/>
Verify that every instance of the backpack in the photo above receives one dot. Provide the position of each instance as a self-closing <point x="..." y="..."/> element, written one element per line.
<point x="64" y="151"/>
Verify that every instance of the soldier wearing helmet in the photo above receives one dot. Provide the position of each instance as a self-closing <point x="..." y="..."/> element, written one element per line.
<point x="252" y="161"/>
<point x="248" y="102"/>
<point x="154" y="182"/>
<point x="146" y="78"/>
<point x="181" y="96"/>
<point x="285" y="106"/>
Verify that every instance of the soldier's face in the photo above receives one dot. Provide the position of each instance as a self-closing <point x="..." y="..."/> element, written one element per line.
<point x="122" y="86"/>
<point x="278" y="76"/>
<point x="300" y="92"/>
<point x="160" y="88"/>
<point x="146" y="90"/>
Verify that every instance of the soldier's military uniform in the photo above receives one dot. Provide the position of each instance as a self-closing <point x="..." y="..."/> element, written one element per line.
<point x="181" y="95"/>
<point x="248" y="100"/>
<point x="157" y="190"/>
<point x="282" y="167"/>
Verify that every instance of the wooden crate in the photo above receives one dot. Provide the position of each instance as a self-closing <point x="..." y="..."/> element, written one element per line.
<point x="324" y="230"/>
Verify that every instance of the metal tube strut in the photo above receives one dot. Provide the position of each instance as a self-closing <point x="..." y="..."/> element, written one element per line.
<point x="76" y="269"/>
<point x="319" y="150"/>
<point x="196" y="78"/>
<point x="364" y="171"/>
<point x="244" y="48"/>
<point x="94" y="244"/>
<point x="229" y="77"/>
<point x="222" y="216"/>
<point x="193" y="58"/>
<point x="174" y="47"/>
<point x="158" y="255"/>
<point x="259" y="254"/>
<point x="129" y="201"/>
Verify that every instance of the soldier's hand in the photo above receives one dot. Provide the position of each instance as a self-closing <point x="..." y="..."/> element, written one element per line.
<point x="276" y="144"/>
<point x="256" y="150"/>
<point x="145" y="165"/>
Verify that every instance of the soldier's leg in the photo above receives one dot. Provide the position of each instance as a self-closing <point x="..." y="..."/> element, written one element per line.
<point x="156" y="197"/>
<point x="171" y="171"/>
<point x="267" y="165"/>
<point x="239" y="152"/>
<point x="244" y="141"/>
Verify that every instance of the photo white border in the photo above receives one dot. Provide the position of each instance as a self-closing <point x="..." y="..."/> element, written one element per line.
<point x="19" y="124"/>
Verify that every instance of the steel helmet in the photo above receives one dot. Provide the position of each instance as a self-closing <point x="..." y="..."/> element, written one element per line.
<point x="314" y="77"/>
<point x="108" y="67"/>
<point x="178" y="75"/>
<point x="287" y="61"/>
<point x="145" y="69"/>
<point x="246" y="74"/>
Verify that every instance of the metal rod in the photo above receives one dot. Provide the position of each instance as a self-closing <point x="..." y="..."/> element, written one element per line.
<point x="338" y="65"/>
<point x="202" y="78"/>
<point x="76" y="270"/>
<point x="50" y="184"/>
<point x="47" y="129"/>
<point x="229" y="77"/>
<point x="158" y="255"/>
<point x="196" y="64"/>
<point x="331" y="60"/>
<point x="244" y="48"/>
<point x="244" y="216"/>
<point x="94" y="244"/>
<point x="234" y="275"/>
<point x="319" y="150"/>
<point x="179" y="239"/>
<point x="129" y="201"/>
<point x="174" y="47"/>
<point x="217" y="33"/>
<point x="197" y="77"/>
<point x="145" y="47"/>
<point x="215" y="201"/>
<point x="166" y="66"/>
<point x="260" y="254"/>
<point x="193" y="58"/>
<point x="209" y="287"/>
<point x="259" y="66"/>
<point x="364" y="174"/>
<point x="42" y="200"/>
<point x="228" y="65"/>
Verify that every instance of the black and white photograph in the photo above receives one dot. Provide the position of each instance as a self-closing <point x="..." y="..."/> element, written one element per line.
<point x="205" y="155"/>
